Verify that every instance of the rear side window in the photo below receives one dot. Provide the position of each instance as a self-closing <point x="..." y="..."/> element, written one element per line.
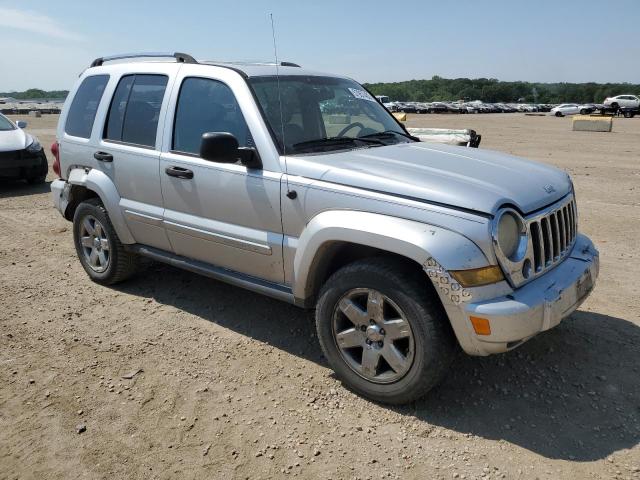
<point x="135" y="109"/>
<point x="84" y="106"/>
<point x="206" y="105"/>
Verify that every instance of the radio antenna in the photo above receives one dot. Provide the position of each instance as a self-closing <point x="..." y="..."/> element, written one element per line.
<point x="290" y="193"/>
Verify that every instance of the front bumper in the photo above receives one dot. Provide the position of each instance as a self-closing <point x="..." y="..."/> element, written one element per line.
<point x="22" y="163"/>
<point x="535" y="307"/>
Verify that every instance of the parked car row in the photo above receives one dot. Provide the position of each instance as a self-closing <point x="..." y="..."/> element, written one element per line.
<point x="627" y="105"/>
<point x="460" y="107"/>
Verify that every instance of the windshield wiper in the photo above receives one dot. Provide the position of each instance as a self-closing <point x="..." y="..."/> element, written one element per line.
<point x="388" y="133"/>
<point x="335" y="141"/>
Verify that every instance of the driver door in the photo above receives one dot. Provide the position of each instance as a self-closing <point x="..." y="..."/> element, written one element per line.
<point x="219" y="213"/>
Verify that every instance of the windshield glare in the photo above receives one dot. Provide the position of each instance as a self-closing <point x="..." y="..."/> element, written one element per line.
<point x="315" y="108"/>
<point x="5" y="124"/>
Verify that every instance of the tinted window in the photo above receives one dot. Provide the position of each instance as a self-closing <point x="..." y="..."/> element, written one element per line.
<point x="206" y="105"/>
<point x="113" y="129"/>
<point x="135" y="109"/>
<point x="83" y="108"/>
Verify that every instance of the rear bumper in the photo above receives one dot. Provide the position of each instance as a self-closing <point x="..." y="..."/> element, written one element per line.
<point x="60" y="195"/>
<point x="535" y="307"/>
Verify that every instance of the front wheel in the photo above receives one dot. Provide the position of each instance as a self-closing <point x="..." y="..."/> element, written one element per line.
<point x="558" y="114"/>
<point x="382" y="332"/>
<point x="99" y="249"/>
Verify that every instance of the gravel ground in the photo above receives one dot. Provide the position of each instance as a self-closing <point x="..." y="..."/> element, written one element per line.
<point x="224" y="383"/>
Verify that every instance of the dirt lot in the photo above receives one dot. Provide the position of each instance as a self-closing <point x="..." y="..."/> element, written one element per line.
<point x="234" y="384"/>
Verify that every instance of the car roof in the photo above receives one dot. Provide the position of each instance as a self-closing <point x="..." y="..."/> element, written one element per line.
<point x="246" y="69"/>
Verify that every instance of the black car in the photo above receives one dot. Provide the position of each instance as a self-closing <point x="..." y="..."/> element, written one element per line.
<point x="21" y="155"/>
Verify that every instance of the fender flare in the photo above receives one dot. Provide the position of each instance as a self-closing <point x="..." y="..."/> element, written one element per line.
<point x="414" y="240"/>
<point x="103" y="186"/>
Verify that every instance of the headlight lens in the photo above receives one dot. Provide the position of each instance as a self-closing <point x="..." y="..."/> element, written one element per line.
<point x="34" y="146"/>
<point x="511" y="236"/>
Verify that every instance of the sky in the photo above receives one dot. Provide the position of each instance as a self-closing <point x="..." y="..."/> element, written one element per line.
<point x="46" y="44"/>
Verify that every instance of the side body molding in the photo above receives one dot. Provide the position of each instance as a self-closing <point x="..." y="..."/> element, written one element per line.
<point x="414" y="240"/>
<point x="100" y="183"/>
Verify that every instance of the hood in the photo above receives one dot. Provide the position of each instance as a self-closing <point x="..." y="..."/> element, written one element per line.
<point x="469" y="178"/>
<point x="14" y="140"/>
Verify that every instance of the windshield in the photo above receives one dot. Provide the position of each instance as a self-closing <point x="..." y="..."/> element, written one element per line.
<point x="5" y="124"/>
<point x="324" y="113"/>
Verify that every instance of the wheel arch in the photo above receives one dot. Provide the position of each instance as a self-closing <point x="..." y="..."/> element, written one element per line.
<point x="90" y="183"/>
<point x="334" y="238"/>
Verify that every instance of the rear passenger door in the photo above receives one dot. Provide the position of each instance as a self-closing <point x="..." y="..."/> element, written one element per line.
<point x="129" y="150"/>
<point x="220" y="213"/>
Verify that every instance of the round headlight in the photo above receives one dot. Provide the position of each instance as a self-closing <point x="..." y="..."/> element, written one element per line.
<point x="511" y="236"/>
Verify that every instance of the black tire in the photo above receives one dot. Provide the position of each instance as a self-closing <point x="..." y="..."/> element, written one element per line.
<point x="628" y="115"/>
<point x="614" y="106"/>
<point x="121" y="263"/>
<point x="558" y="114"/>
<point x="583" y="112"/>
<point x="435" y="345"/>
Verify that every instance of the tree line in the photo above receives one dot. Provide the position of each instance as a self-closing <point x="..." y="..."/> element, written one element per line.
<point x="36" y="93"/>
<point x="491" y="90"/>
<point x="488" y="90"/>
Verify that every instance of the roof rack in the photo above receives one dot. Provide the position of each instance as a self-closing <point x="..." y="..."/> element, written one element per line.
<point x="180" y="57"/>
<point x="250" y="64"/>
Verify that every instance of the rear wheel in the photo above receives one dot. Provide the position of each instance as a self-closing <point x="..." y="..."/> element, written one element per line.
<point x="583" y="112"/>
<point x="382" y="333"/>
<point x="99" y="249"/>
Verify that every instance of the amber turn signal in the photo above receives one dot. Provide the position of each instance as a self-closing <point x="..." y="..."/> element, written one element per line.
<point x="477" y="277"/>
<point x="481" y="325"/>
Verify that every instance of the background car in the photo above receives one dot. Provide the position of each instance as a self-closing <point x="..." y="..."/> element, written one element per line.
<point x="438" y="107"/>
<point x="406" y="107"/>
<point x="21" y="155"/>
<point x="587" y="108"/>
<point x="565" y="109"/>
<point x="622" y="101"/>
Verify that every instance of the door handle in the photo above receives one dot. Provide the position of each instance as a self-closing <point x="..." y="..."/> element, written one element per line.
<point x="103" y="156"/>
<point x="179" y="172"/>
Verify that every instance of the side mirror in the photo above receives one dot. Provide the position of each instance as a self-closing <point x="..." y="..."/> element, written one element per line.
<point x="223" y="147"/>
<point x="21" y="124"/>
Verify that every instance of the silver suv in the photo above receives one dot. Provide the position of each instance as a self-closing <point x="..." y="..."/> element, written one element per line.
<point x="302" y="186"/>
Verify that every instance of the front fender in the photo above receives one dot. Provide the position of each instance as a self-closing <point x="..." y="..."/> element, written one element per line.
<point x="103" y="186"/>
<point x="414" y="240"/>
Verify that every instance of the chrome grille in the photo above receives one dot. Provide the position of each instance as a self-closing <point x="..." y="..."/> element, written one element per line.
<point x="552" y="234"/>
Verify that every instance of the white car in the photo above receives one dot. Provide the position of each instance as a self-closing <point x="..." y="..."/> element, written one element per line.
<point x="21" y="155"/>
<point x="565" y="109"/>
<point x="622" y="101"/>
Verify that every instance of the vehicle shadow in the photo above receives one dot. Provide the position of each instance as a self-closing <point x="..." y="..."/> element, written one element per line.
<point x="20" y="188"/>
<point x="571" y="393"/>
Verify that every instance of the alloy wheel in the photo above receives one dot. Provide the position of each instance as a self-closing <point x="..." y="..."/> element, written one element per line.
<point x="373" y="335"/>
<point x="95" y="244"/>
